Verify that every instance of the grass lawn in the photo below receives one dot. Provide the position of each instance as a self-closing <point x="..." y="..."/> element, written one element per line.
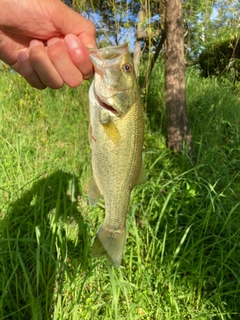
<point x="182" y="255"/>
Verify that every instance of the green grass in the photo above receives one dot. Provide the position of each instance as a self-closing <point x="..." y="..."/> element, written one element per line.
<point x="182" y="256"/>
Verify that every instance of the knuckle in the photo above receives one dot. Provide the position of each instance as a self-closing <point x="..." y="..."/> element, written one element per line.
<point x="74" y="82"/>
<point x="57" y="51"/>
<point x="35" y="55"/>
<point x="92" y="27"/>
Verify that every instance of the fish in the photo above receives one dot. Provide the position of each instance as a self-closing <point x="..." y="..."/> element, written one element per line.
<point x="116" y="134"/>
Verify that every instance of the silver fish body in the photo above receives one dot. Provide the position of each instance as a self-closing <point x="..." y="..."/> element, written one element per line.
<point x="116" y="140"/>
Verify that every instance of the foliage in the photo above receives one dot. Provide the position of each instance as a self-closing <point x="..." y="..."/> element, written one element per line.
<point x="212" y="30"/>
<point x="182" y="253"/>
<point x="116" y="20"/>
<point x="222" y="58"/>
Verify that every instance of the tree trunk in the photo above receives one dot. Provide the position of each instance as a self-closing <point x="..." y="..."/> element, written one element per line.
<point x="137" y="50"/>
<point x="178" y="130"/>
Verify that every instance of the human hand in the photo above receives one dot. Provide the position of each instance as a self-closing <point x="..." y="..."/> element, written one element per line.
<point x="46" y="42"/>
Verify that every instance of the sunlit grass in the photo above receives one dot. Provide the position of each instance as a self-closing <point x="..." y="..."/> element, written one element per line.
<point x="182" y="255"/>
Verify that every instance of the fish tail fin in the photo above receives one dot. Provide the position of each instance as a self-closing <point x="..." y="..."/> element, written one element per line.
<point x="110" y="243"/>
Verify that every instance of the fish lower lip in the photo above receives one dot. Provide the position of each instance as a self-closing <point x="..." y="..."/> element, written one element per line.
<point x="106" y="106"/>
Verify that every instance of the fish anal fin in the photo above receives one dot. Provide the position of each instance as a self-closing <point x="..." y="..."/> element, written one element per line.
<point x="110" y="243"/>
<point x="94" y="193"/>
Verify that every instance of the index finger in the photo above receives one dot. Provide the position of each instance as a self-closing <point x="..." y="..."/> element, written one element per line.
<point x="76" y="24"/>
<point x="79" y="55"/>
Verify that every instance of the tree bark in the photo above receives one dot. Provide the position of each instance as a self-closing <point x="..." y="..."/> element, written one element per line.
<point x="178" y="130"/>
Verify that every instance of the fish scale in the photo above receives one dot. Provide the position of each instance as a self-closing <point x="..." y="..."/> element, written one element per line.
<point x="116" y="140"/>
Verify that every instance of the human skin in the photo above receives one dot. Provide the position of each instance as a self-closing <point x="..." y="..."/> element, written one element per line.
<point x="46" y="42"/>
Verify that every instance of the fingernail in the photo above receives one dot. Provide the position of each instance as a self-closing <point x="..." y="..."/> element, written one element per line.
<point x="22" y="56"/>
<point x="71" y="41"/>
<point x="52" y="41"/>
<point x="35" y="43"/>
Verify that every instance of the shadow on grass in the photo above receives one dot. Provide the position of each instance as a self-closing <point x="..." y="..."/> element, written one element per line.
<point x="42" y="237"/>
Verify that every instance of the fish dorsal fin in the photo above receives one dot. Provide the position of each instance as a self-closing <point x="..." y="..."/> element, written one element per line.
<point x="94" y="193"/>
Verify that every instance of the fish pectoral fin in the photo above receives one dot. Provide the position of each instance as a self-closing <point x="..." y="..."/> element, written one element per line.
<point x="112" y="132"/>
<point x="142" y="178"/>
<point x="94" y="193"/>
<point x="110" y="243"/>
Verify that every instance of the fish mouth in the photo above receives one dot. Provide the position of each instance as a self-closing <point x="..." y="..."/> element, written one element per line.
<point x="106" y="106"/>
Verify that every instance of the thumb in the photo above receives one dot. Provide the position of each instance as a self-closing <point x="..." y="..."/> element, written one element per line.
<point x="71" y="22"/>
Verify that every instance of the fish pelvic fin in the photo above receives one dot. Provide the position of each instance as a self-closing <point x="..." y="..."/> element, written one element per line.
<point x="110" y="243"/>
<point x="94" y="193"/>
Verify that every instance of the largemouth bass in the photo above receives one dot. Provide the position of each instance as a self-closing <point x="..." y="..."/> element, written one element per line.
<point x="116" y="140"/>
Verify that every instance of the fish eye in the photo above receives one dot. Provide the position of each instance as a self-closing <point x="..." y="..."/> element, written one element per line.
<point x="127" y="67"/>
